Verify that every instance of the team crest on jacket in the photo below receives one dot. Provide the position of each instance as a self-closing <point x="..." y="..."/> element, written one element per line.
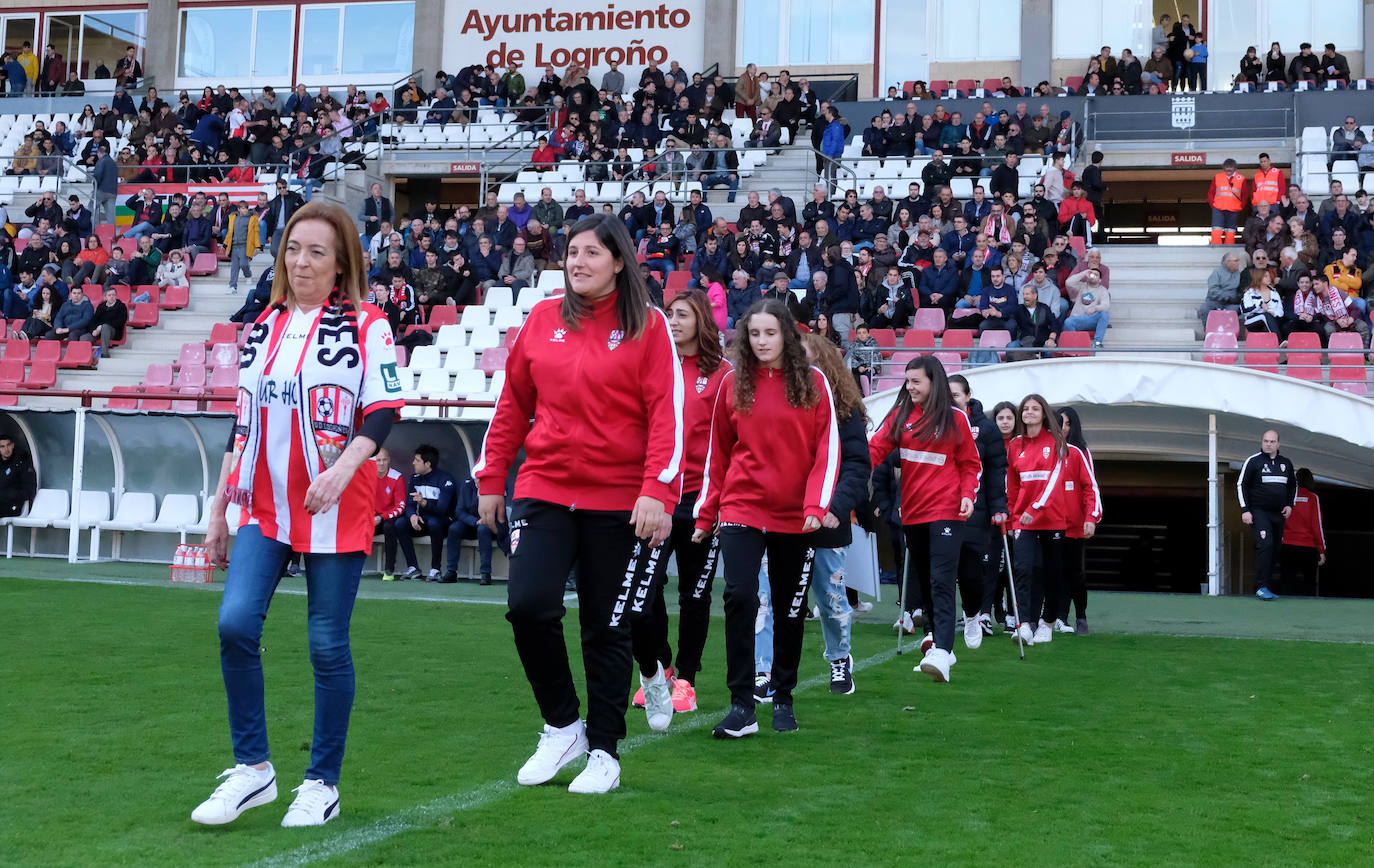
<point x="331" y="415"/>
<point x="701" y="384"/>
<point x="1045" y="452"/>
<point x="614" y="340"/>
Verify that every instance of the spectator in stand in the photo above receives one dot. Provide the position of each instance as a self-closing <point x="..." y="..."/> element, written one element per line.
<point x="172" y="270"/>
<point x="279" y="212"/>
<point x="1304" y="309"/>
<point x="863" y="358"/>
<point x="1223" y="287"/>
<point x="1261" y="308"/>
<point x="18" y="481"/>
<point x="1251" y="67"/>
<point x="1035" y="325"/>
<point x="15" y="75"/>
<point x="1339" y="312"/>
<point x="242" y="243"/>
<point x="1305" y="65"/>
<point x="1334" y="66"/>
<point x="106" y="324"/>
<point x="1304" y="542"/>
<point x="144" y="264"/>
<point x="90" y="262"/>
<point x="1091" y="307"/>
<point x="1345" y="275"/>
<point x="74" y="317"/>
<point x="128" y="71"/>
<point x="517" y="268"/>
<point x="662" y="250"/>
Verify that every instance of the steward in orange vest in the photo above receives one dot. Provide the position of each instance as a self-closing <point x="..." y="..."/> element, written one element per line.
<point x="1269" y="183"/>
<point x="1226" y="197"/>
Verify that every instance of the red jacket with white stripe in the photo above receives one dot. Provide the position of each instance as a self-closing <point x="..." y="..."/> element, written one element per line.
<point x="698" y="403"/>
<point x="774" y="466"/>
<point x="936" y="475"/>
<point x="1082" y="498"/>
<point x="1035" y="483"/>
<point x="1304" y="524"/>
<point x="599" y="415"/>
<point x="391" y="494"/>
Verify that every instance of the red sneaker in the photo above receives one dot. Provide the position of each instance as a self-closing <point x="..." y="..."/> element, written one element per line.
<point x="684" y="696"/>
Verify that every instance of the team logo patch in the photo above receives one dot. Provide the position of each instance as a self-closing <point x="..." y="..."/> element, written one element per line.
<point x="558" y="336"/>
<point x="331" y="418"/>
<point x="614" y="340"/>
<point x="1045" y="452"/>
<point x="701" y="384"/>
<point x="514" y="539"/>
<point x="1264" y="534"/>
<point x="390" y="380"/>
<point x="945" y="531"/>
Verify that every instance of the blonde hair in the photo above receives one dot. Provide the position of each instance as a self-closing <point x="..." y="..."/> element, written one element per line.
<point x="348" y="252"/>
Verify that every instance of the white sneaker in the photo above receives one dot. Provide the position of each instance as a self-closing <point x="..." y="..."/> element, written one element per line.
<point x="1044" y="633"/>
<point x="862" y="607"/>
<point x="1061" y="627"/>
<point x="936" y="664"/>
<point x="658" y="700"/>
<point x="315" y="805"/>
<point x="973" y="632"/>
<point x="927" y="642"/>
<point x="434" y="575"/>
<point x="557" y="747"/>
<point x="601" y="775"/>
<point x="244" y="787"/>
<point x="1011" y="622"/>
<point x="905" y="625"/>
<point x="1027" y="637"/>
<point x="985" y="621"/>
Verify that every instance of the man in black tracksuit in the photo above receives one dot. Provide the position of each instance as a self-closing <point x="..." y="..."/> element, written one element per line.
<point x="18" y="483"/>
<point x="1268" y="488"/>
<point x="978" y="559"/>
<point x="430" y="494"/>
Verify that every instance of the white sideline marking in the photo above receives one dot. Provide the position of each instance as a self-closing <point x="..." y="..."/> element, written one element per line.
<point x="412" y="818"/>
<point x="295" y="592"/>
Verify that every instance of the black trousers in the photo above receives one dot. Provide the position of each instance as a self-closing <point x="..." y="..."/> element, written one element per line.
<point x="1267" y="528"/>
<point x="1038" y="562"/>
<point x="696" y="573"/>
<point x="1075" y="579"/>
<point x="1298" y="569"/>
<point x="546" y="541"/>
<point x="742" y="548"/>
<point x="932" y="561"/>
<point x="399" y="530"/>
<point x="977" y="579"/>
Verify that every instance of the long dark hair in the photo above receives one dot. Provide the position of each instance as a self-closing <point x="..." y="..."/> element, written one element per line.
<point x="1074" y="436"/>
<point x="845" y="393"/>
<point x="937" y="416"/>
<point x="798" y="382"/>
<point x="632" y="300"/>
<point x="708" y="352"/>
<point x="1050" y="422"/>
<point x="1005" y="405"/>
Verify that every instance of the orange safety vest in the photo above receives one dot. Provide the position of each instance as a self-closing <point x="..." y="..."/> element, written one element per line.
<point x="1267" y="186"/>
<point x="1226" y="195"/>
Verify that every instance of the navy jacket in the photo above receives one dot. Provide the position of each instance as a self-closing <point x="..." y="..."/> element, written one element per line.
<point x="841" y="292"/>
<point x="992" y="451"/>
<point x="465" y="505"/>
<point x="942" y="280"/>
<point x="438" y="489"/>
<point x="851" y="486"/>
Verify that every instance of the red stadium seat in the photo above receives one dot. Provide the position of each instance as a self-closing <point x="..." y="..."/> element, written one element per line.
<point x="929" y="319"/>
<point x="190" y="406"/>
<point x="192" y="354"/>
<point x="1073" y="83"/>
<point x="221" y="355"/>
<point x="442" y="315"/>
<point x="493" y="360"/>
<point x="12" y="370"/>
<point x="1075" y="341"/>
<point x="401" y="356"/>
<point x="129" y="403"/>
<point x="886" y="338"/>
<point x="42" y="375"/>
<point x="1221" y="348"/>
<point x="204" y="264"/>
<point x="938" y="88"/>
<point x="224" y="377"/>
<point x="223" y="333"/>
<point x="80" y="354"/>
<point x="48" y="351"/>
<point x="1223" y="321"/>
<point x="1345" y="348"/>
<point x="175" y="297"/>
<point x="18" y="348"/>
<point x="1304" y="357"/>
<point x="154" y="292"/>
<point x="163" y="404"/>
<point x="953" y="362"/>
<point x="128" y="245"/>
<point x="675" y="283"/>
<point x="958" y="340"/>
<point x="882" y="384"/>
<point x="123" y="293"/>
<point x="919" y="339"/>
<point x="995" y="339"/>
<point x="965" y="86"/>
<point x="191" y="376"/>
<point x="143" y="315"/>
<point x="158" y="377"/>
<point x="1349" y="378"/>
<point x="908" y="88"/>
<point x="510" y="335"/>
<point x="992" y="85"/>
<point x="1262" y="352"/>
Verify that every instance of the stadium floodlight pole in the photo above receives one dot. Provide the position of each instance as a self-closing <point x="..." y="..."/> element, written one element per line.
<point x="1011" y="583"/>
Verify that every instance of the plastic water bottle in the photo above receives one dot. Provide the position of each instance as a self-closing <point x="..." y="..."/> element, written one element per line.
<point x="179" y="559"/>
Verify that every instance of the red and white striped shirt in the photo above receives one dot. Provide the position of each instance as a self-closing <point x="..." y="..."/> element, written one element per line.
<point x="281" y="476"/>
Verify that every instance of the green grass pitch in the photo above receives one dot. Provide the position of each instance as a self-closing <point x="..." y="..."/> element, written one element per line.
<point x="1123" y="748"/>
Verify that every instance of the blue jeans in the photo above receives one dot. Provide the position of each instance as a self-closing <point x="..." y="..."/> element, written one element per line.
<point x="307" y="186"/>
<point x="262" y="235"/>
<point x="664" y="266"/>
<point x="138" y="230"/>
<point x="763" y="624"/>
<point x="332" y="586"/>
<point x="837" y="615"/>
<point x="730" y="179"/>
<point x="1094" y="322"/>
<point x="795" y="283"/>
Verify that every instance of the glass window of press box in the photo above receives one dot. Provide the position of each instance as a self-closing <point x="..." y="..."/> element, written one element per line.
<point x="88" y="40"/>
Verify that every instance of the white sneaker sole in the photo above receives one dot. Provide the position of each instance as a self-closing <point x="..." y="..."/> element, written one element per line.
<point x="938" y="675"/>
<point x="577" y="749"/>
<point x="660" y="722"/>
<point x="751" y="729"/>
<point x="973" y="640"/>
<point x="263" y="797"/>
<point x="588" y="790"/>
<point x="332" y="814"/>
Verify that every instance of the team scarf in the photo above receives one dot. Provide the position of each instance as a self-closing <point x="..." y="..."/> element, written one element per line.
<point x="328" y="382"/>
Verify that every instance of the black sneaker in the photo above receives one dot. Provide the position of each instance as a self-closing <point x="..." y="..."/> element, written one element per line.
<point x="292" y="570"/>
<point x="737" y="723"/>
<point x="842" y="676"/>
<point x="486" y="579"/>
<point x="783" y="718"/>
<point x="1080" y="627"/>
<point x="412" y="574"/>
<point x="448" y="577"/>
<point x="763" y="687"/>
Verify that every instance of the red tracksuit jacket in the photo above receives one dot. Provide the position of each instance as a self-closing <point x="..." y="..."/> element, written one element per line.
<point x="698" y="403"/>
<point x="1304" y="525"/>
<point x="1035" y="483"/>
<point x="391" y="494"/>
<point x="600" y="416"/>
<point x="1083" y="500"/>
<point x="773" y="467"/>
<point x="936" y="475"/>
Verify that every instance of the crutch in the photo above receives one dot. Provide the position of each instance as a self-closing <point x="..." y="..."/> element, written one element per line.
<point x="901" y="604"/>
<point x="1011" y="583"/>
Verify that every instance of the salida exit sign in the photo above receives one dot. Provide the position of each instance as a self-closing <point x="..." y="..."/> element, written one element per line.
<point x="1188" y="158"/>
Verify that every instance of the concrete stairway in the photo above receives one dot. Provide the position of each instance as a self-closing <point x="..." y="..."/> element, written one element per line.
<point x="1156" y="292"/>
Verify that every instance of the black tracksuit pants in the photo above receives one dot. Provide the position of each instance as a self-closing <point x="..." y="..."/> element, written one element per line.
<point x="742" y="548"/>
<point x="546" y="541"/>
<point x="1075" y="579"/>
<point x="1038" y="562"/>
<point x="696" y="572"/>
<point x="932" y="550"/>
<point x="977" y="570"/>
<point x="399" y="530"/>
<point x="1267" y="528"/>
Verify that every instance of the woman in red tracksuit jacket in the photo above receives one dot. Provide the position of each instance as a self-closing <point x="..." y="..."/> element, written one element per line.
<point x="594" y="395"/>
<point x="664" y="691"/>
<point x="1085" y="514"/>
<point x="770" y="476"/>
<point x="941" y="473"/>
<point x="1037" y="508"/>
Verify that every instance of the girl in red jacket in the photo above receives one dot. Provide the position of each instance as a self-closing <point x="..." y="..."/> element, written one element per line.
<point x="664" y="691"/>
<point x="770" y="476"/>
<point x="1084" y="514"/>
<point x="941" y="473"/>
<point x="1036" y="505"/>
<point x="594" y="395"/>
